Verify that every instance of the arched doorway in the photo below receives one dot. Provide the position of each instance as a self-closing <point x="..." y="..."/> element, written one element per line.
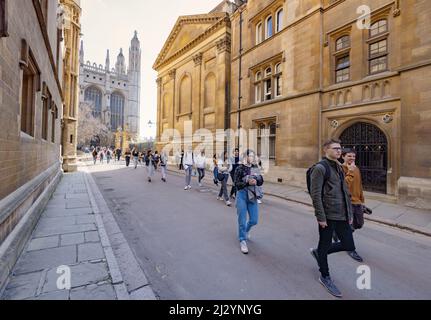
<point x="371" y="146"/>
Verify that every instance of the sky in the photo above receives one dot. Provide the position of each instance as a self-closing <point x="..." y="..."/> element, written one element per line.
<point x="110" y="24"/>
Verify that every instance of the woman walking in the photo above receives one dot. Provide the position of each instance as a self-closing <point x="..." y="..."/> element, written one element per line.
<point x="163" y="164"/>
<point x="135" y="155"/>
<point x="149" y="163"/>
<point x="127" y="155"/>
<point x="94" y="155"/>
<point x="224" y="168"/>
<point x="247" y="181"/>
<point x="188" y="163"/>
<point x="201" y="161"/>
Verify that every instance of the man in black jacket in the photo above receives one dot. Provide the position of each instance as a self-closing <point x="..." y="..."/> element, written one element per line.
<point x="333" y="209"/>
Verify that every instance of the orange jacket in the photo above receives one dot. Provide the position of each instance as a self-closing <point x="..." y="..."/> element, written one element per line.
<point x="354" y="182"/>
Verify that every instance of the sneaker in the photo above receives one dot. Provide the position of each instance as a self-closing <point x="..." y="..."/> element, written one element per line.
<point x="190" y="187"/>
<point x="315" y="255"/>
<point x="228" y="203"/>
<point x="244" y="248"/>
<point x="186" y="188"/>
<point x="219" y="198"/>
<point x="355" y="256"/>
<point x="330" y="286"/>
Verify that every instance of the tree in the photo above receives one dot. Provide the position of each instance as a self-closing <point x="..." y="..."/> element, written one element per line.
<point x="91" y="128"/>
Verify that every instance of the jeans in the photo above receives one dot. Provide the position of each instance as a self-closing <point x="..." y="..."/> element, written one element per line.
<point x="223" y="189"/>
<point x="326" y="247"/>
<point x="163" y="168"/>
<point x="135" y="160"/>
<point x="95" y="160"/>
<point x="201" y="172"/>
<point x="189" y="175"/>
<point x="150" y="170"/>
<point x="244" y="205"/>
<point x="108" y="159"/>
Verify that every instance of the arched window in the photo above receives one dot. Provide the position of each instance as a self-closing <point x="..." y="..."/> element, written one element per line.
<point x="94" y="96"/>
<point x="117" y="111"/>
<point x="269" y="31"/>
<point x="259" y="33"/>
<point x="258" y="88"/>
<point x="342" y="43"/>
<point x="278" y="81"/>
<point x="279" y="22"/>
<point x="185" y="95"/>
<point x="267" y="84"/>
<point x="379" y="27"/>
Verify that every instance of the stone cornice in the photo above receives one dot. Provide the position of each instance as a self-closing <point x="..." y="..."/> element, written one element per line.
<point x="222" y="21"/>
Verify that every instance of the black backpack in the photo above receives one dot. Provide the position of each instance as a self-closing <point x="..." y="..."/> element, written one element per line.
<point x="310" y="171"/>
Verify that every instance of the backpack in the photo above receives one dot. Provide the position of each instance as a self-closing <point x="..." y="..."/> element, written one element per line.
<point x="310" y="171"/>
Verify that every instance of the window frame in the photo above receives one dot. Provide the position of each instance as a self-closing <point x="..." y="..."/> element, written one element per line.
<point x="338" y="68"/>
<point x="259" y="33"/>
<point x="376" y="39"/>
<point x="278" y="80"/>
<point x="267" y="35"/>
<point x="279" y="26"/>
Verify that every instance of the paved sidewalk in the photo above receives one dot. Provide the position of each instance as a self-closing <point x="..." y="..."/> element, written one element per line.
<point x="383" y="212"/>
<point x="70" y="233"/>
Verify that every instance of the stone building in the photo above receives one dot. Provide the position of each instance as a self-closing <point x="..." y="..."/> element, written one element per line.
<point x="31" y="107"/>
<point x="114" y="93"/>
<point x="72" y="30"/>
<point x="194" y="73"/>
<point x="311" y="71"/>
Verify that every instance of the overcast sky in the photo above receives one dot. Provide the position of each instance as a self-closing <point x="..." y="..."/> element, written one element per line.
<point x="109" y="24"/>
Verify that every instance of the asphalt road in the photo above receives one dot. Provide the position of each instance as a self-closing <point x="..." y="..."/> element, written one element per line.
<point x="186" y="242"/>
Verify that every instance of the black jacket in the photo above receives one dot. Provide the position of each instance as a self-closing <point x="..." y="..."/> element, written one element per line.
<point x="241" y="173"/>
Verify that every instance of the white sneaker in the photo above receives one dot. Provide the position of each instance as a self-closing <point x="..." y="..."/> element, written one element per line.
<point x="190" y="187"/>
<point x="219" y="198"/>
<point x="228" y="203"/>
<point x="186" y="188"/>
<point x="244" y="248"/>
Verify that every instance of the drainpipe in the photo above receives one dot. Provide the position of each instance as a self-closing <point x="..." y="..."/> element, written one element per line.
<point x="239" y="74"/>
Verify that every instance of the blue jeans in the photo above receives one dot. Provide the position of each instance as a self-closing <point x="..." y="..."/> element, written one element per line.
<point x="188" y="174"/>
<point x="244" y="205"/>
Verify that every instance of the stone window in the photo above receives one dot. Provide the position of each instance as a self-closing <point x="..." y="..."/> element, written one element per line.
<point x="94" y="96"/>
<point x="54" y="116"/>
<point x="265" y="79"/>
<point x="29" y="86"/>
<point x="46" y="105"/>
<point x="342" y="70"/>
<point x="378" y="47"/>
<point x="3" y="19"/>
<point x="259" y="33"/>
<point x="342" y="43"/>
<point x="342" y="59"/>
<point x="185" y="94"/>
<point x="278" y="81"/>
<point x="269" y="29"/>
<point x="258" y="87"/>
<point x="279" y="20"/>
<point x="266" y="133"/>
<point x="117" y="111"/>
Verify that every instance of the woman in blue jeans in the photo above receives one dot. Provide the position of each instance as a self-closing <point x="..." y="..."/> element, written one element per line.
<point x="247" y="180"/>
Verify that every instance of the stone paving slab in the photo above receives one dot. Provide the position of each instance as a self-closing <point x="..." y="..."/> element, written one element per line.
<point x="22" y="286"/>
<point x="72" y="239"/>
<point x="90" y="251"/>
<point x="94" y="292"/>
<point x="81" y="275"/>
<point x="45" y="231"/>
<point x="92" y="236"/>
<point x="44" y="243"/>
<point x="45" y="259"/>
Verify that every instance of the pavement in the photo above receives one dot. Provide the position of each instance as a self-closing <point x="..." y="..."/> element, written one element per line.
<point x="385" y="212"/>
<point x="77" y="241"/>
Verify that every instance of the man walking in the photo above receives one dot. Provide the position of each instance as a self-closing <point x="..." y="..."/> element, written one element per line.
<point x="331" y="201"/>
<point x="236" y="160"/>
<point x="354" y="182"/>
<point x="188" y="162"/>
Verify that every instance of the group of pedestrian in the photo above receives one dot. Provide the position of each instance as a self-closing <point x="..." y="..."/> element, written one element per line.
<point x="107" y="153"/>
<point x="151" y="160"/>
<point x="338" y="199"/>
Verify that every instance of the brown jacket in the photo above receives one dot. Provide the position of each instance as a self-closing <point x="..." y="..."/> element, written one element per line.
<point x="354" y="182"/>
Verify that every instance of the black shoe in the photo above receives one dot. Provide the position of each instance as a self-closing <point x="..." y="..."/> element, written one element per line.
<point x="330" y="286"/>
<point x="315" y="255"/>
<point x="355" y="256"/>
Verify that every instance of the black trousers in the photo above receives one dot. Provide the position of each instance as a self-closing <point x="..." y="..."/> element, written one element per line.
<point x="326" y="247"/>
<point x="127" y="161"/>
<point x="233" y="191"/>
